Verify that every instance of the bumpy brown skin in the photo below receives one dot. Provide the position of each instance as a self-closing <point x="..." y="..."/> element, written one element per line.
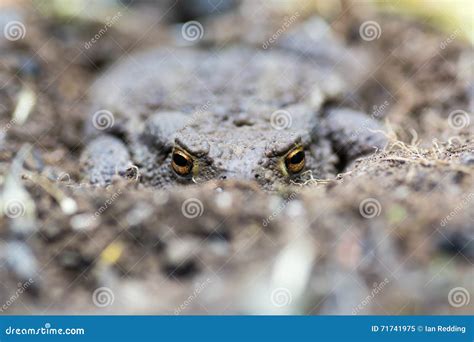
<point x="218" y="107"/>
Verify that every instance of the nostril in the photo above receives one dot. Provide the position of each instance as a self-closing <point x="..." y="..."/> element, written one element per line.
<point x="224" y="177"/>
<point x="257" y="176"/>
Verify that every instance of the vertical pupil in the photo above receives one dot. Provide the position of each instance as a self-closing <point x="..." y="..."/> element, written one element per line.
<point x="180" y="160"/>
<point x="297" y="158"/>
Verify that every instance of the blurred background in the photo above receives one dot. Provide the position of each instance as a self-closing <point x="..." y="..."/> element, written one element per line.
<point x="411" y="254"/>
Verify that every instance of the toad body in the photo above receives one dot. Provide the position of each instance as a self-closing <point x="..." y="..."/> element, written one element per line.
<point x="186" y="116"/>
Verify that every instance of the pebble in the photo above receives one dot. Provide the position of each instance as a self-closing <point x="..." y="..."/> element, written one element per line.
<point x="224" y="200"/>
<point x="179" y="256"/>
<point x="467" y="158"/>
<point x="21" y="260"/>
<point x="84" y="221"/>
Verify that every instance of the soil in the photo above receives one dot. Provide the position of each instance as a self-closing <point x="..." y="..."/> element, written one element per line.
<point x="392" y="234"/>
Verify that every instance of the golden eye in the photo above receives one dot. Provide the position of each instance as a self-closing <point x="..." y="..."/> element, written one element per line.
<point x="182" y="162"/>
<point x="294" y="160"/>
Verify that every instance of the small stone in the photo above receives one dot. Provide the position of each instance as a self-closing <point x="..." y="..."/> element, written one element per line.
<point x="467" y="158"/>
<point x="72" y="260"/>
<point x="295" y="209"/>
<point x="178" y="254"/>
<point x="21" y="260"/>
<point x="84" y="222"/>
<point x="268" y="175"/>
<point x="224" y="200"/>
<point x="68" y="206"/>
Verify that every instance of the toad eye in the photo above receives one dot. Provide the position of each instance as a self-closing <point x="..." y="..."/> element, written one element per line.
<point x="295" y="160"/>
<point x="182" y="163"/>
